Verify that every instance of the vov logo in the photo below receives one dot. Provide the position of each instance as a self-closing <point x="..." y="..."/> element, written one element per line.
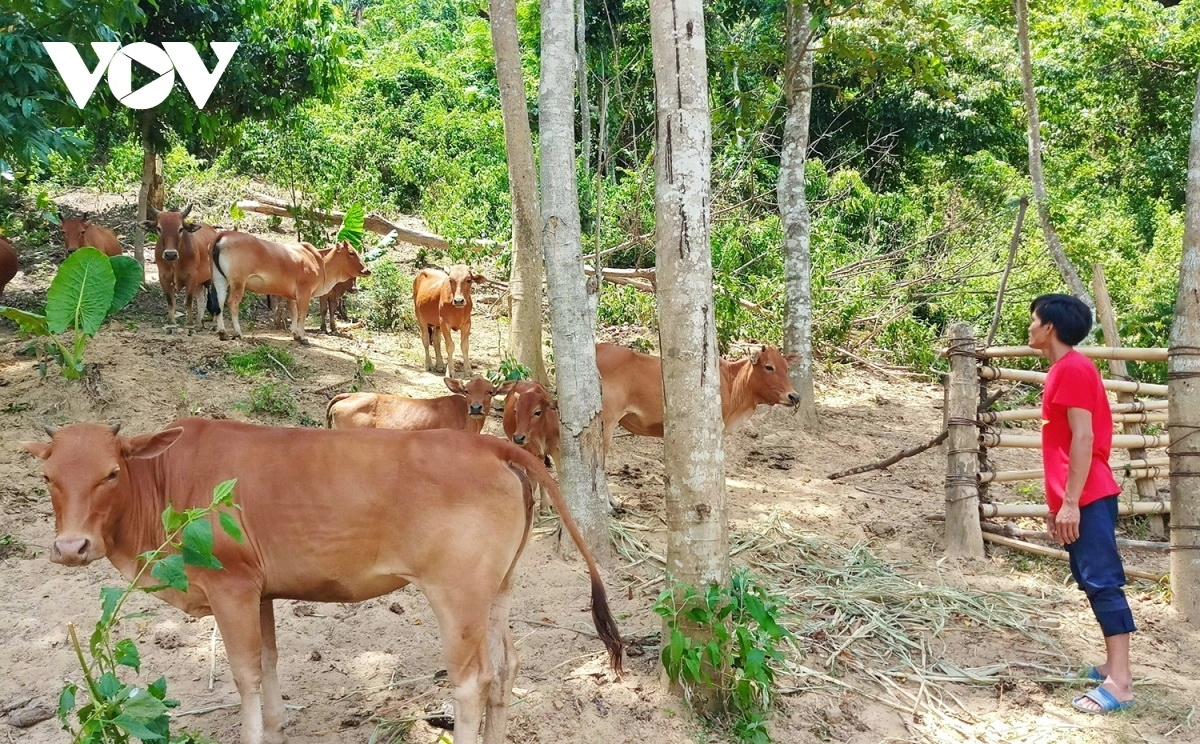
<point x="170" y="58"/>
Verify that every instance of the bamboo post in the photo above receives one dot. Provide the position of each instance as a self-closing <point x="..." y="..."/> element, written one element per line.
<point x="964" y="538"/>
<point x="1146" y="489"/>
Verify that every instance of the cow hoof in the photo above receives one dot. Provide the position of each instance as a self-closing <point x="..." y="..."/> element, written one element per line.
<point x="304" y="341"/>
<point x="223" y="335"/>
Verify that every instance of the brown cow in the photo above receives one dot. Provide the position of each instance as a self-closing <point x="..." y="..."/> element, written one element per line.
<point x="183" y="255"/>
<point x="327" y="516"/>
<point x="466" y="410"/>
<point x="333" y="303"/>
<point x="79" y="232"/>
<point x="632" y="395"/>
<point x="531" y="421"/>
<point x="296" y="272"/>
<point x="8" y="264"/>
<point x="442" y="301"/>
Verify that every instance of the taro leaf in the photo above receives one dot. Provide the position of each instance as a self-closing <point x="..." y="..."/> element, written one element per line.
<point x="126" y="654"/>
<point x="128" y="281"/>
<point x="198" y="545"/>
<point x="80" y="293"/>
<point x="170" y="572"/>
<point x="30" y="323"/>
<point x="352" y="226"/>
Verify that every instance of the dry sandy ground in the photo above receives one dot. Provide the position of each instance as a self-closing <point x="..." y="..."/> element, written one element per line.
<point x="342" y="665"/>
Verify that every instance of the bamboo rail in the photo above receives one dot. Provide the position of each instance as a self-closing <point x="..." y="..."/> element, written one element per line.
<point x="1061" y="555"/>
<point x="1092" y="352"/>
<point x="1127" y="469"/>
<point x="988" y="372"/>
<point x="1124" y="509"/>
<point x="1008" y="530"/>
<point x="1122" y="413"/>
<point x="1034" y="441"/>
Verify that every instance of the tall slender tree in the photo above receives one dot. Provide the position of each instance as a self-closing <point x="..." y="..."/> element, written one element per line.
<point x="697" y="532"/>
<point x="571" y="310"/>
<point x="525" y="275"/>
<point x="1041" y="199"/>
<point x="1184" y="401"/>
<point x="793" y="205"/>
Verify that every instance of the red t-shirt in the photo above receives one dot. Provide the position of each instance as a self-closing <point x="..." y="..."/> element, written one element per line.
<point x="1074" y="382"/>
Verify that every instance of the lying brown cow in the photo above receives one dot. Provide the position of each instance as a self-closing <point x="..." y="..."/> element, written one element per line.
<point x="466" y="410"/>
<point x="328" y="516"/>
<point x="79" y="232"/>
<point x="8" y="264"/>
<point x="443" y="304"/>
<point x="183" y="255"/>
<point x="632" y="395"/>
<point x="297" y="273"/>
<point x="531" y="421"/>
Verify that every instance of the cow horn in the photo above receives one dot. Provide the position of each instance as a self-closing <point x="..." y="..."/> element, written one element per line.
<point x="151" y="213"/>
<point x="85" y="216"/>
<point x="186" y="210"/>
<point x="50" y="430"/>
<point x="114" y="427"/>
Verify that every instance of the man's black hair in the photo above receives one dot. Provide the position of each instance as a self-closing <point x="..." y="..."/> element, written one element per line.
<point x="1069" y="316"/>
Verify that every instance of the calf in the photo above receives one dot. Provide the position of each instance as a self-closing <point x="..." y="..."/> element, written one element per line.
<point x="79" y="232"/>
<point x="531" y="421"/>
<point x="333" y="303"/>
<point x="442" y="302"/>
<point x="467" y="409"/>
<point x="296" y="273"/>
<point x="183" y="255"/>
<point x="632" y="395"/>
<point x="8" y="264"/>
<point x="327" y="516"/>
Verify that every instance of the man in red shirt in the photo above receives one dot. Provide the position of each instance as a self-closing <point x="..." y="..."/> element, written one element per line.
<point x="1081" y="493"/>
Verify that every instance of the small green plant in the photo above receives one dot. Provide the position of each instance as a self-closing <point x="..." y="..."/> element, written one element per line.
<point x="509" y="369"/>
<point x="116" y="711"/>
<point x="363" y="367"/>
<point x="271" y="398"/>
<point x="87" y="288"/>
<point x="10" y="545"/>
<point x="384" y="298"/>
<point x="741" y="623"/>
<point x="259" y="360"/>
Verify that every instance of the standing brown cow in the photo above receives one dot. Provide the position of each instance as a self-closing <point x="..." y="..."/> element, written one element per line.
<point x="466" y="410"/>
<point x="8" y="264"/>
<point x="79" y="232"/>
<point x="333" y="304"/>
<point x="631" y="389"/>
<point x="327" y="516"/>
<point x="297" y="273"/>
<point x="531" y="421"/>
<point x="442" y="301"/>
<point x="183" y="255"/>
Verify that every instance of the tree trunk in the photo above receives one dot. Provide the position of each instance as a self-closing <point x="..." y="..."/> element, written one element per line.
<point x="525" y="275"/>
<point x="571" y="316"/>
<point x="793" y="208"/>
<point x="697" y="532"/>
<point x="1183" y="407"/>
<point x="151" y="192"/>
<point x="1069" y="274"/>
<point x="581" y="74"/>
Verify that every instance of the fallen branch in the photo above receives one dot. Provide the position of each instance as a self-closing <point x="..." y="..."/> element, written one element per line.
<point x="893" y="459"/>
<point x="266" y="204"/>
<point x="645" y="280"/>
<point x="1060" y="555"/>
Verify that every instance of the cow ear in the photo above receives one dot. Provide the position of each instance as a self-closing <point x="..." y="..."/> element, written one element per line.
<point x="150" y="445"/>
<point x="506" y="387"/>
<point x="791" y="358"/>
<point x="40" y="450"/>
<point x="149" y="225"/>
<point x="191" y="226"/>
<point x="85" y="216"/>
<point x="455" y="385"/>
<point x="553" y="405"/>
<point x="478" y="278"/>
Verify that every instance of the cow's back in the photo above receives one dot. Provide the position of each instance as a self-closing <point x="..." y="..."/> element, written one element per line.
<point x="429" y="293"/>
<point x="9" y="264"/>
<point x="381" y="411"/>
<point x="631" y="389"/>
<point x="103" y="239"/>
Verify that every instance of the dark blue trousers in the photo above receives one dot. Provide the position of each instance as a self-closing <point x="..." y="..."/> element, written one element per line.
<point x="1096" y="566"/>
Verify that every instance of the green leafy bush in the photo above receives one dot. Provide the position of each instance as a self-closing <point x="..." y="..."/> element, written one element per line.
<point x="509" y="369"/>
<point x="273" y="399"/>
<point x="87" y="288"/>
<point x="260" y="360"/>
<point x="384" y="299"/>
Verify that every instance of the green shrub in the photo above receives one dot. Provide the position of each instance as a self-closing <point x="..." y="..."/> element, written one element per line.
<point x="273" y="399"/>
<point x="384" y="299"/>
<point x="260" y="360"/>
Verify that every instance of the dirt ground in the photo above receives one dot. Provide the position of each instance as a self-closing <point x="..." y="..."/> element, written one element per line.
<point x="344" y="667"/>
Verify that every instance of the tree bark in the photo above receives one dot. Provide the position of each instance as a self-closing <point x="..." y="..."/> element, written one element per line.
<point x="1183" y="407"/>
<point x="151" y="192"/>
<point x="1069" y="274"/>
<point x="793" y="208"/>
<point x="525" y="275"/>
<point x="571" y="311"/>
<point x="697" y="531"/>
<point x="581" y="74"/>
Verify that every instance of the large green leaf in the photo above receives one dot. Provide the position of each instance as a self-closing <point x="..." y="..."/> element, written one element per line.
<point x="31" y="323"/>
<point x="81" y="292"/>
<point x="129" y="278"/>
<point x="352" y="226"/>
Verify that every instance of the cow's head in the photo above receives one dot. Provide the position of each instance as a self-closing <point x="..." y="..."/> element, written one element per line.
<point x="171" y="228"/>
<point x="461" y="279"/>
<point x="73" y="231"/>
<point x="85" y="470"/>
<point x="533" y="410"/>
<point x="768" y="381"/>
<point x="478" y="392"/>
<point x="347" y="260"/>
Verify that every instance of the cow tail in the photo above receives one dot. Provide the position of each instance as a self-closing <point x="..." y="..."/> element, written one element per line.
<point x="216" y="258"/>
<point x="606" y="626"/>
<point x="329" y="408"/>
<point x="211" y="304"/>
<point x="527" y="496"/>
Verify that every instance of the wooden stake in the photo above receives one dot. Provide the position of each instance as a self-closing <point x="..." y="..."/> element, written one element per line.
<point x="963" y="535"/>
<point x="1061" y="555"/>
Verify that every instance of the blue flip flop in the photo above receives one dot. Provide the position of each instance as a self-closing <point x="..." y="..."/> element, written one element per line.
<point x="1091" y="673"/>
<point x="1106" y="700"/>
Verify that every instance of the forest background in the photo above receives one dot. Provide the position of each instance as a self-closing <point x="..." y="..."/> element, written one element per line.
<point x="917" y="154"/>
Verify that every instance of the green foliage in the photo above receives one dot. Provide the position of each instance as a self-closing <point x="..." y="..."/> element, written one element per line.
<point x="509" y="369"/>
<point x="113" y="711"/>
<point x="740" y="625"/>
<point x="273" y="399"/>
<point x="260" y="360"/>
<point x="363" y="368"/>
<point x="384" y="299"/>
<point x="87" y="288"/>
<point x="352" y="226"/>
